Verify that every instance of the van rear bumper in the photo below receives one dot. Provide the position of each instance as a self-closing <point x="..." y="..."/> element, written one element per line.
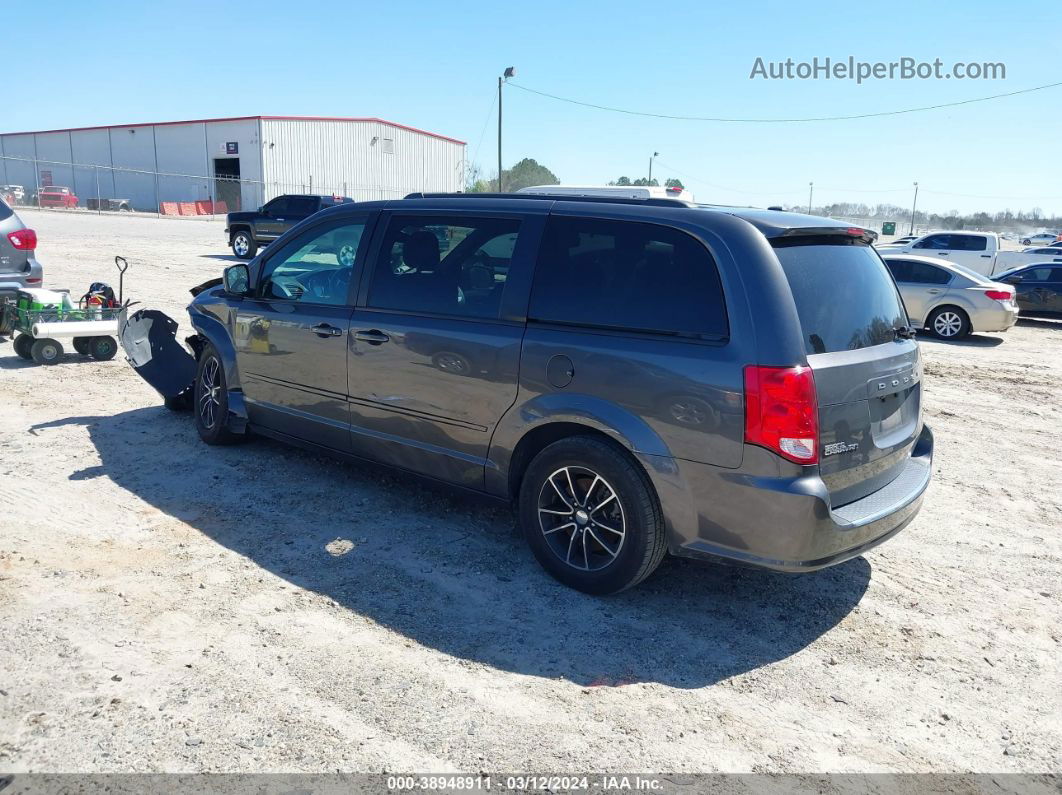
<point x="788" y="524"/>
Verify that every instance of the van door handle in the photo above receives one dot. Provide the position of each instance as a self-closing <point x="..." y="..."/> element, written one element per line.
<point x="373" y="337"/>
<point x="933" y="291"/>
<point x="325" y="330"/>
<point x="986" y="256"/>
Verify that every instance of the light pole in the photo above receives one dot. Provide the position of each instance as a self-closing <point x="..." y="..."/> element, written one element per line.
<point x="811" y="192"/>
<point x="914" y="206"/>
<point x="655" y="154"/>
<point x="510" y="71"/>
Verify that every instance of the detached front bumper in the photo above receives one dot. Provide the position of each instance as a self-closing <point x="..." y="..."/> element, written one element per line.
<point x="149" y="338"/>
<point x="789" y="524"/>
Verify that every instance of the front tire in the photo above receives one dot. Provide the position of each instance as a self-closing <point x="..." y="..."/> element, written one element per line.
<point x="243" y="244"/>
<point x="591" y="516"/>
<point x="949" y="323"/>
<point x="81" y="345"/>
<point x="46" y="351"/>
<point x="212" y="399"/>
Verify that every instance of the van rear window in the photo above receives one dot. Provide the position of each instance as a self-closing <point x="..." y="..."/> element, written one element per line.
<point x="844" y="296"/>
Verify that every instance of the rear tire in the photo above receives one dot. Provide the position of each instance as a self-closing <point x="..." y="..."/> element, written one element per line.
<point x="23" y="345"/>
<point x="81" y="345"/>
<point x="211" y="401"/>
<point x="243" y="244"/>
<point x="46" y="351"/>
<point x="102" y="349"/>
<point x="591" y="516"/>
<point x="949" y="323"/>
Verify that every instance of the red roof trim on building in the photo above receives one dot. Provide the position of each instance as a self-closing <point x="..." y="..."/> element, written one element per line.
<point x="370" y="119"/>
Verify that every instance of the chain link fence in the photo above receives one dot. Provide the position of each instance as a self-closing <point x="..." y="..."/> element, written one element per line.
<point x="98" y="188"/>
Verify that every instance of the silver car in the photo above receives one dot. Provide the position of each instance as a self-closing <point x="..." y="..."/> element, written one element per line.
<point x="18" y="267"/>
<point x="951" y="301"/>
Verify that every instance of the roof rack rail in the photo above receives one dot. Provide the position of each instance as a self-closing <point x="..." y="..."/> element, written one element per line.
<point x="554" y="197"/>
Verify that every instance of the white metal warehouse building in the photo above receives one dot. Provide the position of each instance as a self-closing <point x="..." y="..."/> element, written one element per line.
<point x="241" y="161"/>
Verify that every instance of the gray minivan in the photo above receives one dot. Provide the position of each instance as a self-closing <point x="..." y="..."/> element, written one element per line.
<point x="638" y="376"/>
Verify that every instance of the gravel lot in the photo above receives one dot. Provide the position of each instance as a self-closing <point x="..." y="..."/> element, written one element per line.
<point x="166" y="606"/>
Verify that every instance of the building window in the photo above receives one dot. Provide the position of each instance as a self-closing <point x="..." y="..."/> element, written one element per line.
<point x="387" y="146"/>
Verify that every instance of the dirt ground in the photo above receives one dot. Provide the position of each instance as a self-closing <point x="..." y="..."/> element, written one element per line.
<point x="166" y="606"/>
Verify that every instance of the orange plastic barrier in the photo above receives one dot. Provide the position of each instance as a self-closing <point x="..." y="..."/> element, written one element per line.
<point x="221" y="208"/>
<point x="169" y="208"/>
<point x="204" y="207"/>
<point x="187" y="208"/>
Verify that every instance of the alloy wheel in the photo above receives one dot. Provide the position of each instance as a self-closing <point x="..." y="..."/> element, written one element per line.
<point x="581" y="518"/>
<point x="345" y="255"/>
<point x="241" y="245"/>
<point x="947" y="324"/>
<point x="210" y="393"/>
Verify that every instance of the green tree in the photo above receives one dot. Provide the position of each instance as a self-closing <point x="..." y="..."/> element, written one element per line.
<point x="526" y="173"/>
<point x="674" y="183"/>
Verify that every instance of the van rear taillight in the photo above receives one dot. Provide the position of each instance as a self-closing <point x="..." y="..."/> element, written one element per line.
<point x="781" y="411"/>
<point x="23" y="239"/>
<point x="999" y="295"/>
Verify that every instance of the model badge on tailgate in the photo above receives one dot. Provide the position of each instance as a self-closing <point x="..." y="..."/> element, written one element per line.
<point x="839" y="447"/>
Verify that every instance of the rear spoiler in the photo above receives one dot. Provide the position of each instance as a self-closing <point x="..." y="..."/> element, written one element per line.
<point x="796" y="235"/>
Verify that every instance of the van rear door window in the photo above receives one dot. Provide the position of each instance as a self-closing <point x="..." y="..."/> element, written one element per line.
<point x="844" y="296"/>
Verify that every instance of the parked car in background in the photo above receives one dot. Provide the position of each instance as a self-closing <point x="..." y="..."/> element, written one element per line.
<point x="18" y="265"/>
<point x="13" y="194"/>
<point x="56" y="196"/>
<point x="1042" y="238"/>
<point x="951" y="301"/>
<point x="1039" y="288"/>
<point x="248" y="230"/>
<point x="616" y="191"/>
<point x="638" y="376"/>
<point x="978" y="251"/>
<point x="901" y="241"/>
<point x="1043" y="251"/>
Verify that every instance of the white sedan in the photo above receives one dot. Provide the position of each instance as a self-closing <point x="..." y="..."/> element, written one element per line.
<point x="948" y="300"/>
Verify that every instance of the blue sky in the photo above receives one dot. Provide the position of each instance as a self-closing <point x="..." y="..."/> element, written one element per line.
<point x="435" y="65"/>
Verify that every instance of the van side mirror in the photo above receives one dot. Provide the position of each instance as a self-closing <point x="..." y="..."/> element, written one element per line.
<point x="237" y="280"/>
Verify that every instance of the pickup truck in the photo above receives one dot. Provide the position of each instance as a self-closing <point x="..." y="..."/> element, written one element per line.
<point x="247" y="231"/>
<point x="978" y="251"/>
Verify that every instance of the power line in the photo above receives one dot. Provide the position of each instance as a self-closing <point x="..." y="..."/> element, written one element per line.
<point x="493" y="99"/>
<point x="781" y="121"/>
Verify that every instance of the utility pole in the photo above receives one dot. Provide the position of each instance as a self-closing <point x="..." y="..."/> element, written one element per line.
<point x="811" y="192"/>
<point x="655" y="154"/>
<point x="510" y="71"/>
<point x="914" y="206"/>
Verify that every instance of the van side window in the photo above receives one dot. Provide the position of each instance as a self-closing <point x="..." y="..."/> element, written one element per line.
<point x="447" y="266"/>
<point x="628" y="276"/>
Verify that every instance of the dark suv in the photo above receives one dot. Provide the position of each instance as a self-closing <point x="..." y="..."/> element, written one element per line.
<point x="638" y="376"/>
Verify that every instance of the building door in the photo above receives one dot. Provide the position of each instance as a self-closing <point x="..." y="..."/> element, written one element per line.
<point x="227" y="182"/>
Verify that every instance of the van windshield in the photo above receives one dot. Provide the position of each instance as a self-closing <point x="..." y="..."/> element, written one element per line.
<point x="844" y="295"/>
